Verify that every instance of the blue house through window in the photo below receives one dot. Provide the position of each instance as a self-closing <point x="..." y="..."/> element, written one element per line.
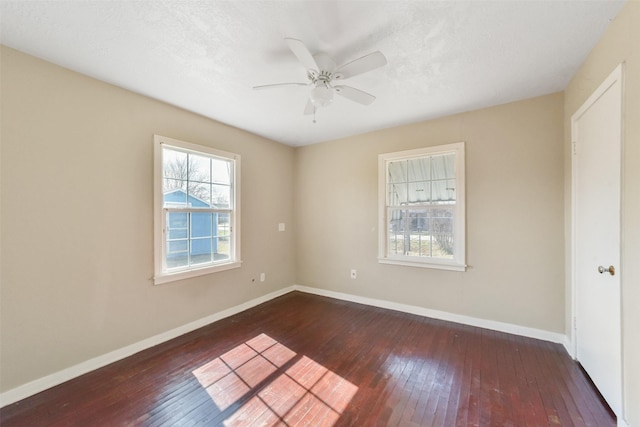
<point x="194" y="237"/>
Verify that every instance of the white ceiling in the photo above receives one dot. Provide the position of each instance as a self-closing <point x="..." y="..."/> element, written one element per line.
<point x="205" y="56"/>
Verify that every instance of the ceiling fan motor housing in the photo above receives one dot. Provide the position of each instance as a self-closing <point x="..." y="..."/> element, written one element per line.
<point x="325" y="63"/>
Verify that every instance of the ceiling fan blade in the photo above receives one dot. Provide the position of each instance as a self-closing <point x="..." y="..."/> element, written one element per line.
<point x="279" y="85"/>
<point x="309" y="108"/>
<point x="361" y="65"/>
<point x="302" y="53"/>
<point x="355" y="95"/>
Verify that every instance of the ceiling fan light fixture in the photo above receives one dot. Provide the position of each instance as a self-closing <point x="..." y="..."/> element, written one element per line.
<point x="321" y="95"/>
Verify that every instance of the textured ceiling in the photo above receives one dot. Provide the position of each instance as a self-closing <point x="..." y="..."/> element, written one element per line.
<point x="205" y="56"/>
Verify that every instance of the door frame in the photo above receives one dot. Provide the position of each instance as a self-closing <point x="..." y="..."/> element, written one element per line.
<point x="616" y="76"/>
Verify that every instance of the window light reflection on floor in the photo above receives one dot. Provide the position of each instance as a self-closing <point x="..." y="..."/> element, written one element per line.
<point x="305" y="391"/>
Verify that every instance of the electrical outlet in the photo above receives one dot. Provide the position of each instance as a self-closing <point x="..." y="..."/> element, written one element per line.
<point x="281" y="226"/>
<point x="263" y="277"/>
<point x="354" y="273"/>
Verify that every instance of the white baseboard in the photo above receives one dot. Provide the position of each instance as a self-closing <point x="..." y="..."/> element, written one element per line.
<point x="569" y="346"/>
<point x="622" y="423"/>
<point x="44" y="383"/>
<point x="441" y="315"/>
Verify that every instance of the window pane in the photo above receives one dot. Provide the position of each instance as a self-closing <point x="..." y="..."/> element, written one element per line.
<point x="177" y="253"/>
<point x="397" y="194"/>
<point x="396" y="244"/>
<point x="221" y="196"/>
<point x="397" y="171"/>
<point x="417" y="227"/>
<point x="197" y="238"/>
<point x="174" y="164"/>
<point x="444" y="190"/>
<point x="174" y="192"/>
<point x="444" y="166"/>
<point x="201" y="251"/>
<point x="199" y="195"/>
<point x="222" y="240"/>
<point x="201" y="224"/>
<point x="177" y="220"/>
<point x="421" y="232"/>
<point x="221" y="171"/>
<point x="222" y="249"/>
<point x="419" y="169"/>
<point x="177" y="242"/>
<point x="199" y="168"/>
<point x="442" y="232"/>
<point x="176" y="233"/>
<point x="419" y="192"/>
<point x="178" y="246"/>
<point x="224" y="227"/>
<point x="409" y="232"/>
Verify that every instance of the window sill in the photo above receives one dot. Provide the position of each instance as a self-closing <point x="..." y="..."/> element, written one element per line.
<point x="161" y="278"/>
<point x="442" y="265"/>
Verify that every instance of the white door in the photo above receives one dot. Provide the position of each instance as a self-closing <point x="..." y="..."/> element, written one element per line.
<point x="596" y="136"/>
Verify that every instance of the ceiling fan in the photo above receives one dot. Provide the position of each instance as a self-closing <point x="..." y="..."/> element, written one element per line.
<point x="322" y="72"/>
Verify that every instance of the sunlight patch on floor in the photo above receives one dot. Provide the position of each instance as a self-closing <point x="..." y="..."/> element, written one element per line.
<point x="306" y="392"/>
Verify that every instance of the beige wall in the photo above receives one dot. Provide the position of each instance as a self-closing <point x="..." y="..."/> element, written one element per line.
<point x="514" y="177"/>
<point x="621" y="43"/>
<point x="77" y="219"/>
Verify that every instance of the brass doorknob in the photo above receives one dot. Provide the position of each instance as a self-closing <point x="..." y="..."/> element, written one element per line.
<point x="611" y="270"/>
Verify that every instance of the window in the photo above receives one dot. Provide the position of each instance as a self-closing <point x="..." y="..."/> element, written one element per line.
<point x="421" y="207"/>
<point x="197" y="210"/>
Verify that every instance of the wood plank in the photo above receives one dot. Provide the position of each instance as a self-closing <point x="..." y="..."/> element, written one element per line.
<point x="317" y="361"/>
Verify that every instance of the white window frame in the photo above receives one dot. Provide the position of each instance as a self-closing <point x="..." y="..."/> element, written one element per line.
<point x="162" y="274"/>
<point x="459" y="255"/>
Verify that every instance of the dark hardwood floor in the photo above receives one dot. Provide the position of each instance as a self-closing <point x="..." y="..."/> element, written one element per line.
<point x="308" y="360"/>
